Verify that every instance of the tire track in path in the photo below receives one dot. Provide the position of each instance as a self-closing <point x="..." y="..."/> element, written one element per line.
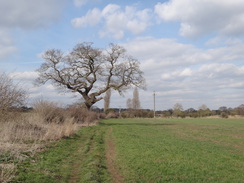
<point x="80" y="154"/>
<point x="111" y="157"/>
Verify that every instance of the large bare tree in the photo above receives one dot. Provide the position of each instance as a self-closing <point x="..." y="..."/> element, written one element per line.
<point x="91" y="71"/>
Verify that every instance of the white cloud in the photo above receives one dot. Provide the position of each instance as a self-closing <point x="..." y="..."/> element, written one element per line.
<point x="187" y="72"/>
<point x="221" y="71"/>
<point x="79" y="3"/>
<point x="110" y="9"/>
<point x="6" y="44"/>
<point x="90" y="19"/>
<point x="25" y="15"/>
<point x="24" y="76"/>
<point x="182" y="72"/>
<point x="198" y="18"/>
<point x="29" y="14"/>
<point x="116" y="20"/>
<point x="165" y="53"/>
<point x="169" y="54"/>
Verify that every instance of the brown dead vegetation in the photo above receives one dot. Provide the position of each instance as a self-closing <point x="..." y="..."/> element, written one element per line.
<point x="24" y="134"/>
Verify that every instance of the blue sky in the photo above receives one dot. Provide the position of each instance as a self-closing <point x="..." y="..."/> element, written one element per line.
<point x="192" y="52"/>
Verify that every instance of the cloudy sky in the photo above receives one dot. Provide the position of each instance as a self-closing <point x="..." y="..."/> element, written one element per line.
<point x="191" y="51"/>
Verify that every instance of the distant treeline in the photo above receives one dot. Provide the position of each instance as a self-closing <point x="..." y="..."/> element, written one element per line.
<point x="223" y="112"/>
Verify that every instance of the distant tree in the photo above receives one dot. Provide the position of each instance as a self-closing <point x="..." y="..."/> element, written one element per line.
<point x="90" y="71"/>
<point x="223" y="112"/>
<point x="203" y="110"/>
<point x="223" y="109"/>
<point x="203" y="107"/>
<point x="191" y="112"/>
<point x="177" y="110"/>
<point x="136" y="101"/>
<point x="107" y="100"/>
<point x="129" y="103"/>
<point x="240" y="109"/>
<point x="167" y="113"/>
<point x="178" y="106"/>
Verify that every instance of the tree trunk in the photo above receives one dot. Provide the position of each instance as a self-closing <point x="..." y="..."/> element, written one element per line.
<point x="88" y="106"/>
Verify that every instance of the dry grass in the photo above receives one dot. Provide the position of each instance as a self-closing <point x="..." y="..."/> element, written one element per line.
<point x="24" y="134"/>
<point x="7" y="172"/>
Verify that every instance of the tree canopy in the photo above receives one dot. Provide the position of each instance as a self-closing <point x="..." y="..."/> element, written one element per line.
<point x="91" y="71"/>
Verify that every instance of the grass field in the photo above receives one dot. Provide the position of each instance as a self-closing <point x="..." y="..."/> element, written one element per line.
<point x="145" y="150"/>
<point x="179" y="150"/>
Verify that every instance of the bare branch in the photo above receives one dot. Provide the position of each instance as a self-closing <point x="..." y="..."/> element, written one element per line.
<point x="91" y="71"/>
<point x="11" y="95"/>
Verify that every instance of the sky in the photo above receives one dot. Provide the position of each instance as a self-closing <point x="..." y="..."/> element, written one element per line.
<point x="191" y="51"/>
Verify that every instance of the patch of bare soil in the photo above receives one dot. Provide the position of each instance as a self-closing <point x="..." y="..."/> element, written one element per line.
<point x="111" y="157"/>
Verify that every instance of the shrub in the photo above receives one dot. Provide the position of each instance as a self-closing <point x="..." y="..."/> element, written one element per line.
<point x="139" y="113"/>
<point x="50" y="112"/>
<point x="101" y="115"/>
<point x="112" y="115"/>
<point x="224" y="115"/>
<point x="82" y="115"/>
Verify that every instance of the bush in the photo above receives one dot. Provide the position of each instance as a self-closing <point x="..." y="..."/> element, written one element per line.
<point x="82" y="115"/>
<point x="224" y="115"/>
<point x="137" y="114"/>
<point x="112" y="115"/>
<point x="49" y="111"/>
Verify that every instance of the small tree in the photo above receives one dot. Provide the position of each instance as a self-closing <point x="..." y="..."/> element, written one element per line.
<point x="90" y="71"/>
<point x="203" y="110"/>
<point x="136" y="101"/>
<point x="129" y="103"/>
<point x="177" y="109"/>
<point x="240" y="110"/>
<point x="11" y="95"/>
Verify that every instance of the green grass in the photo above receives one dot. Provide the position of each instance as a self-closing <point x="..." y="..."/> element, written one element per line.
<point x="146" y="150"/>
<point x="179" y="150"/>
<point x="76" y="159"/>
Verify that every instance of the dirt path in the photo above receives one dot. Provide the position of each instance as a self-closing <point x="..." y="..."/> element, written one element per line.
<point x="110" y="153"/>
<point x="80" y="155"/>
<point x="75" y="170"/>
<point x="111" y="156"/>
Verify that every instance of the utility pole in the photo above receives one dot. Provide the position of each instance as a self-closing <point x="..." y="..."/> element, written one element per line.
<point x="154" y="104"/>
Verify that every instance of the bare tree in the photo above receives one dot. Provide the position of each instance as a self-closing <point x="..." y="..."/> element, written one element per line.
<point x="177" y="109"/>
<point x="107" y="100"/>
<point x="91" y="71"/>
<point x="136" y="101"/>
<point x="203" y="107"/>
<point x="129" y="103"/>
<point x="203" y="110"/>
<point x="11" y="95"/>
